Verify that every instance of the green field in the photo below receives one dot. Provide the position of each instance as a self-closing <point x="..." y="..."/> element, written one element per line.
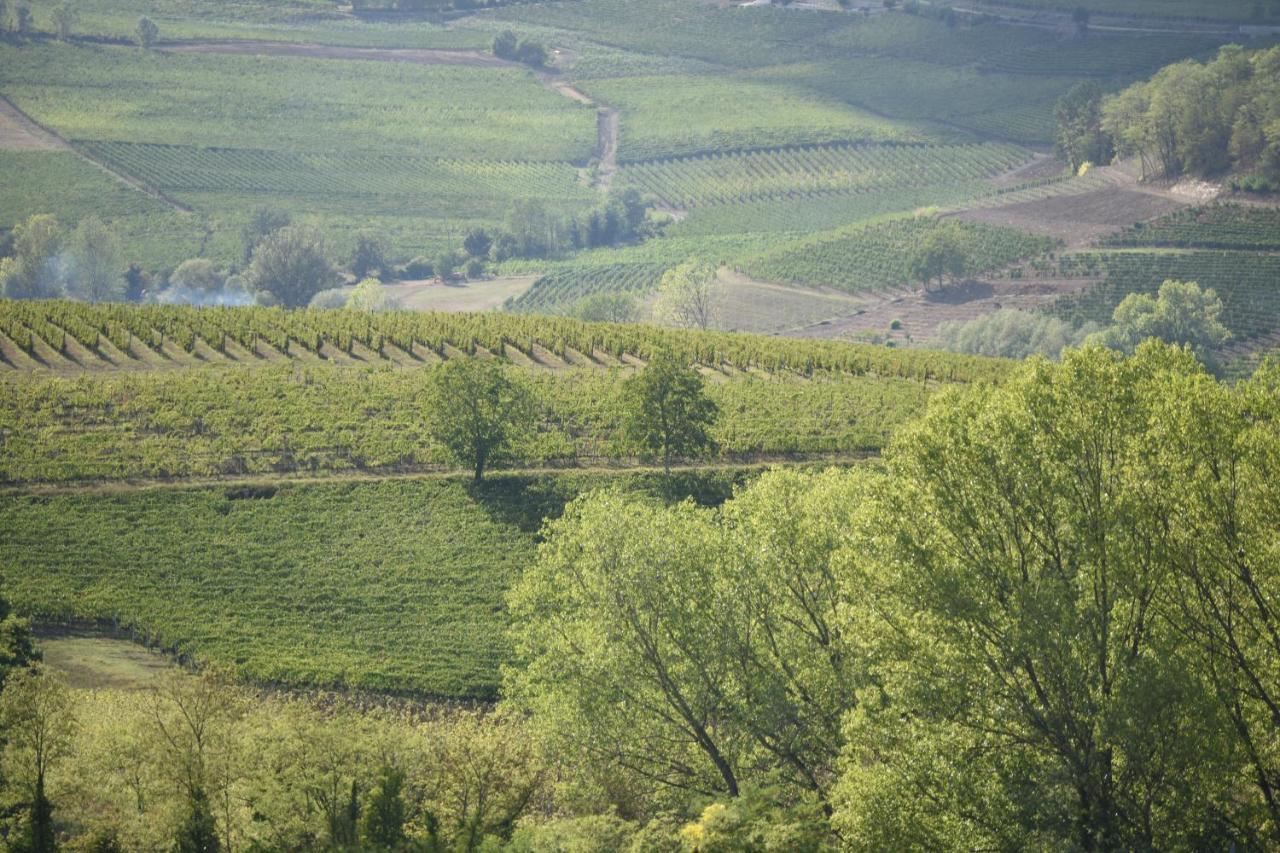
<point x="392" y="586"/>
<point x="1218" y="226"/>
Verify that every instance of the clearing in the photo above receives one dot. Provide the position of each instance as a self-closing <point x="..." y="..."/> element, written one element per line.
<point x="485" y="295"/>
<point x="93" y="660"/>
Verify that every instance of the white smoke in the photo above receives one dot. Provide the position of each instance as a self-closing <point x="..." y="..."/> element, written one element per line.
<point x="192" y="296"/>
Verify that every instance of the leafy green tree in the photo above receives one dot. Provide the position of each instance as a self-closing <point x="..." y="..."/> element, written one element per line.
<point x="689" y="295"/>
<point x="198" y="832"/>
<point x="368" y="296"/>
<point x="606" y="308"/>
<point x="1181" y="313"/>
<point x="17" y="649"/>
<point x="38" y="722"/>
<point x="477" y="411"/>
<point x="941" y="254"/>
<point x="382" y="827"/>
<point x="22" y="19"/>
<point x="531" y="53"/>
<point x="1018" y="549"/>
<point x="198" y="274"/>
<point x="263" y="222"/>
<point x="291" y="264"/>
<point x="477" y="243"/>
<point x="33" y="272"/>
<point x="95" y="270"/>
<point x="504" y="45"/>
<point x="1080" y="138"/>
<point x="1011" y="333"/>
<point x="666" y="413"/>
<point x="147" y="32"/>
<point x="445" y="265"/>
<point x="369" y="257"/>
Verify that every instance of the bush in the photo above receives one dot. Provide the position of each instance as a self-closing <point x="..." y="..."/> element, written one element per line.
<point x="418" y="268"/>
<point x="474" y="269"/>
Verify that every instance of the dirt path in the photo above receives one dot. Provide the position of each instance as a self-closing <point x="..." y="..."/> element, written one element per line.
<point x="607" y="126"/>
<point x="28" y="134"/>
<point x="616" y="467"/>
<point x="417" y="56"/>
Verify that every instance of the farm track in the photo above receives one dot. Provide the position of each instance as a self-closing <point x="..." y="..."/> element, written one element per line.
<point x="13" y="118"/>
<point x="19" y="133"/>
<point x="607" y="122"/>
<point x="601" y="466"/>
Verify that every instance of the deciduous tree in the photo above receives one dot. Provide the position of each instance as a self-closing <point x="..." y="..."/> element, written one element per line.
<point x="291" y="264"/>
<point x="666" y="413"/>
<point x="476" y="410"/>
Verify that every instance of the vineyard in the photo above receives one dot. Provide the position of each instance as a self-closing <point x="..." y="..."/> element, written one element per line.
<point x="1218" y="226"/>
<point x="559" y="290"/>
<point x="721" y="179"/>
<point x="666" y="116"/>
<point x="392" y="586"/>
<point x="1246" y="282"/>
<point x="875" y="257"/>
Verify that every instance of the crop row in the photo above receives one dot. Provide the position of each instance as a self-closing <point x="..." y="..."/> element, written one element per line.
<point x="322" y="417"/>
<point x="1218" y="226"/>
<point x="561" y="289"/>
<point x="243" y="170"/>
<point x="313" y="329"/>
<point x="757" y="176"/>
<point x="1248" y="284"/>
<point x="877" y="256"/>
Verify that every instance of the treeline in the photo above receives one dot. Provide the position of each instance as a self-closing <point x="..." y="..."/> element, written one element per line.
<point x="1190" y="118"/>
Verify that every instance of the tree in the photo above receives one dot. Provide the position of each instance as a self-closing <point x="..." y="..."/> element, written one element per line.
<point x="477" y="243"/>
<point x="1018" y="549"/>
<point x="671" y="649"/>
<point x="1080" y="138"/>
<point x="17" y="649"/>
<point x="532" y="53"/>
<point x="689" y="295"/>
<point x="22" y="19"/>
<point x="291" y="264"/>
<point x="147" y="33"/>
<point x="941" y="254"/>
<point x="368" y="296"/>
<point x="504" y="45"/>
<point x="666" y="412"/>
<point x="198" y="832"/>
<point x="95" y="270"/>
<point x="445" y="265"/>
<point x="33" y="271"/>
<point x="1181" y="314"/>
<point x="606" y="308"/>
<point x="1011" y="333"/>
<point x="476" y="410"/>
<point x="197" y="274"/>
<point x="64" y="18"/>
<point x="382" y="827"/>
<point x="263" y="222"/>
<point x="38" y="722"/>
<point x="369" y="257"/>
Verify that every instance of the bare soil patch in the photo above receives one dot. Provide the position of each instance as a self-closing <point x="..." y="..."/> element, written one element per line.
<point x="1079" y="220"/>
<point x="19" y="133"/>
<point x="473" y="296"/>
<point x="918" y="315"/>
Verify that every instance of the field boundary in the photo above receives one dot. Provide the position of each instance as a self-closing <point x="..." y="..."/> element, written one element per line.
<point x="6" y="105"/>
<point x="602" y="465"/>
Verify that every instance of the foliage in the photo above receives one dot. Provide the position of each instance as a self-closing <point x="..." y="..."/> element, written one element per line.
<point x="38" y="722"/>
<point x="665" y="411"/>
<point x="664" y="650"/>
<point x="606" y="308"/>
<point x="368" y="296"/>
<point x="1203" y="118"/>
<point x="477" y="411"/>
<point x="1080" y="137"/>
<point x="1181" y="314"/>
<point x="369" y="257"/>
<point x="291" y="265"/>
<point x="96" y="264"/>
<point x="940" y="254"/>
<point x="1221" y="225"/>
<point x="32" y="272"/>
<point x="147" y="33"/>
<point x="689" y="295"/>
<point x="382" y="827"/>
<point x="1009" y="333"/>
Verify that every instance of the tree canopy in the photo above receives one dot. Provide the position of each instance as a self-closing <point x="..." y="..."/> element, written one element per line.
<point x="476" y="409"/>
<point x="665" y="411"/>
